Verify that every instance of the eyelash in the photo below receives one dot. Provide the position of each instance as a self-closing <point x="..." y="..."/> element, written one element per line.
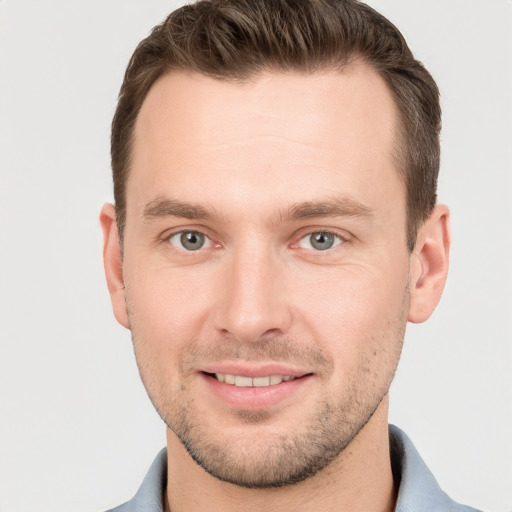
<point x="338" y="240"/>
<point x="195" y="232"/>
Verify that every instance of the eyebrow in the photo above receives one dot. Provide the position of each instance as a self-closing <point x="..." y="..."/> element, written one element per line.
<point x="160" y="208"/>
<point x="334" y="207"/>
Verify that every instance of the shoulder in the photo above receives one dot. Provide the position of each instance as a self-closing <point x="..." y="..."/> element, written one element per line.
<point x="418" y="490"/>
<point x="150" y="496"/>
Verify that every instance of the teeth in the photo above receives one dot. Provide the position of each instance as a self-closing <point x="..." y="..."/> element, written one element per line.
<point x="243" y="382"/>
<point x="275" y="379"/>
<point x="257" y="382"/>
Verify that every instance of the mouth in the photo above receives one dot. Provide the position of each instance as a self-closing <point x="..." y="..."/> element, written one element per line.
<point x="252" y="382"/>
<point x="256" y="387"/>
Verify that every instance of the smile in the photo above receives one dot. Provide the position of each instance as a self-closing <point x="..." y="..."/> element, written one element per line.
<point x="254" y="389"/>
<point x="249" y="382"/>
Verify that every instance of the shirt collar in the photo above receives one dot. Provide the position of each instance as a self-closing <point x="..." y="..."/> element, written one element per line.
<point x="418" y="490"/>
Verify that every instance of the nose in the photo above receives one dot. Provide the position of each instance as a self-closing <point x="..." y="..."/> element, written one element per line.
<point x="253" y="303"/>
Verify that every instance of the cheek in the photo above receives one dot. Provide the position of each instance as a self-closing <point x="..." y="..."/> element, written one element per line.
<point x="340" y="307"/>
<point x="356" y="311"/>
<point x="163" y="321"/>
<point x="361" y="323"/>
<point x="167" y="306"/>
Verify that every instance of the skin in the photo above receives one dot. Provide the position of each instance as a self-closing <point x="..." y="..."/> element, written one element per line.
<point x="257" y="168"/>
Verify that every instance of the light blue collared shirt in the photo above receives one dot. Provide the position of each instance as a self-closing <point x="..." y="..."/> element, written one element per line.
<point x="418" y="490"/>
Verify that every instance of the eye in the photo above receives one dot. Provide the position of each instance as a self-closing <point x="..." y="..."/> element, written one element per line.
<point x="320" y="241"/>
<point x="189" y="240"/>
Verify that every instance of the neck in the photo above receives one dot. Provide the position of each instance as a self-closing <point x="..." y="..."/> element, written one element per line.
<point x="359" y="479"/>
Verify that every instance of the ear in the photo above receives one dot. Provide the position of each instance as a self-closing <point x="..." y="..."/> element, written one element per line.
<point x="113" y="263"/>
<point x="429" y="264"/>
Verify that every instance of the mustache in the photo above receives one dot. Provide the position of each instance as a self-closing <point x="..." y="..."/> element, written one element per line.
<point x="273" y="349"/>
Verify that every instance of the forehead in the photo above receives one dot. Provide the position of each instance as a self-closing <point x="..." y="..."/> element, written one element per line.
<point x="199" y="103"/>
<point x="288" y="131"/>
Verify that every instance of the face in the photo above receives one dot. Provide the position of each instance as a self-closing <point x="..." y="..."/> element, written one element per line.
<point x="265" y="266"/>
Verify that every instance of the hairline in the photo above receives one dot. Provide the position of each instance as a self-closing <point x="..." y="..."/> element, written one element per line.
<point x="399" y="147"/>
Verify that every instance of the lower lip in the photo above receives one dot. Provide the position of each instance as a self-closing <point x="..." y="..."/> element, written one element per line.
<point x="255" y="398"/>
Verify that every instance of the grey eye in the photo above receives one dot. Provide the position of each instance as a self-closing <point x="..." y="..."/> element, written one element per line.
<point x="320" y="241"/>
<point x="189" y="240"/>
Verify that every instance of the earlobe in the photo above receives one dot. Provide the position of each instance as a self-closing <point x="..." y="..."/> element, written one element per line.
<point x="429" y="265"/>
<point x="113" y="263"/>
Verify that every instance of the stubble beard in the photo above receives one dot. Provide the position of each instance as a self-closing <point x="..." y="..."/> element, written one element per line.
<point x="268" y="457"/>
<point x="265" y="458"/>
<point x="270" y="460"/>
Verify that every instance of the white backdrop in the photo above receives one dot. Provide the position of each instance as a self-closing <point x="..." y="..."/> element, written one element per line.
<point x="77" y="431"/>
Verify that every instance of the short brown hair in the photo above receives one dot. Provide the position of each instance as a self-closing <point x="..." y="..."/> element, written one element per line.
<point x="238" y="39"/>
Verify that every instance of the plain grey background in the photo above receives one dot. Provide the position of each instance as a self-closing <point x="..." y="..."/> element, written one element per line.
<point x="77" y="431"/>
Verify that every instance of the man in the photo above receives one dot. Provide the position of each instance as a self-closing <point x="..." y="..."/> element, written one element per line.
<point x="275" y="227"/>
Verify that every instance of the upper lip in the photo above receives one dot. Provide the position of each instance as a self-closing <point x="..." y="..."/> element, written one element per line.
<point x="254" y="370"/>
